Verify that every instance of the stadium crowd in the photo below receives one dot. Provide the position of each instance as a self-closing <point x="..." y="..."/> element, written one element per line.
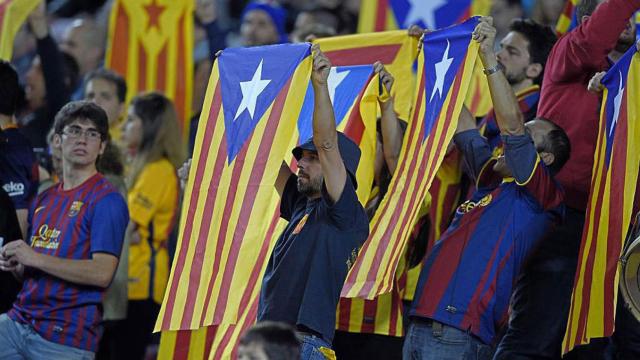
<point x="92" y="186"/>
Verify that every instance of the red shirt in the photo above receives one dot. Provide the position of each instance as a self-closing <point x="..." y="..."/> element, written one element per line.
<point x="575" y="58"/>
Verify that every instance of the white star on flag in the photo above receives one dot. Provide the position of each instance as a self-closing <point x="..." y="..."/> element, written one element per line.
<point x="250" y="91"/>
<point x="617" y="102"/>
<point x="335" y="78"/>
<point x="425" y="11"/>
<point x="442" y="68"/>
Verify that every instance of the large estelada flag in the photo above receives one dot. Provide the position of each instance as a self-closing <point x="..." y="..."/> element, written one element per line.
<point x="150" y="43"/>
<point x="613" y="185"/>
<point x="13" y="13"/>
<point x="230" y="208"/>
<point x="568" y="19"/>
<point x="395" y="49"/>
<point x="445" y="64"/>
<point x="378" y="15"/>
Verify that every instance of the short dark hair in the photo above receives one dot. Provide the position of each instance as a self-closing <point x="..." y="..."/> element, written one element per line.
<point x="556" y="142"/>
<point x="82" y="109"/>
<point x="541" y="40"/>
<point x="278" y="340"/>
<point x="586" y="8"/>
<point x="9" y="89"/>
<point x="111" y="76"/>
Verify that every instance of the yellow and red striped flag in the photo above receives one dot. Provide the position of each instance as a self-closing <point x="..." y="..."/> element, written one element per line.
<point x="395" y="49"/>
<point x="230" y="211"/>
<point x="151" y="44"/>
<point x="568" y="19"/>
<point x="613" y="185"/>
<point x="379" y="15"/>
<point x="13" y="13"/>
<point x="445" y="64"/>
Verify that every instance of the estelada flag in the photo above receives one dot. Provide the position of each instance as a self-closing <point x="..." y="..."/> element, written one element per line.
<point x="353" y="91"/>
<point x="379" y="15"/>
<point x="13" y="13"/>
<point x="568" y="19"/>
<point x="609" y="212"/>
<point x="230" y="210"/>
<point x="150" y="43"/>
<point x="445" y="64"/>
<point x="395" y="49"/>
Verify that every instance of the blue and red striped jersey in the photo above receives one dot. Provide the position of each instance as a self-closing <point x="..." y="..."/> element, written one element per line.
<point x="467" y="278"/>
<point x="70" y="224"/>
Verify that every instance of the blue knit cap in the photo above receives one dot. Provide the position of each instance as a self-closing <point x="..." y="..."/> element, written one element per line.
<point x="277" y="14"/>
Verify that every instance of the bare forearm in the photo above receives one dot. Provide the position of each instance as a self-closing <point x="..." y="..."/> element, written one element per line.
<point x="23" y="215"/>
<point x="324" y="123"/>
<point x="82" y="272"/>
<point x="391" y="135"/>
<point x="466" y="121"/>
<point x="505" y="104"/>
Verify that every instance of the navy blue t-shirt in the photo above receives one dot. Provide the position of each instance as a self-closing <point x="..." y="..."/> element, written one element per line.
<point x="311" y="259"/>
<point x="18" y="168"/>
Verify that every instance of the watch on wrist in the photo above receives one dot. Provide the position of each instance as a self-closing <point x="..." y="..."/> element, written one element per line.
<point x="494" y="69"/>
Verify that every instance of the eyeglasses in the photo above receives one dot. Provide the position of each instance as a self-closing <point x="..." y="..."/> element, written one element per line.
<point x="75" y="132"/>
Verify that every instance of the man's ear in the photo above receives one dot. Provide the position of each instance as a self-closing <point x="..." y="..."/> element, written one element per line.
<point x="534" y="70"/>
<point x="583" y="18"/>
<point x="103" y="145"/>
<point x="547" y="158"/>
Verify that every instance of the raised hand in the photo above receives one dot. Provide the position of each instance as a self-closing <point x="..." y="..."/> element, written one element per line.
<point x="321" y="66"/>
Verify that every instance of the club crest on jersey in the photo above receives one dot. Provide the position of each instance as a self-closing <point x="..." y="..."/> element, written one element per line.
<point x="46" y="238"/>
<point x="75" y="208"/>
<point x="300" y="225"/>
<point x="470" y="205"/>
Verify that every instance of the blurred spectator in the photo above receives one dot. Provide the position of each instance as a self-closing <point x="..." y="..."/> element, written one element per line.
<point x="109" y="90"/>
<point x="49" y="83"/>
<point x="153" y="141"/>
<point x="263" y="23"/>
<point x="269" y="340"/>
<point x="18" y="165"/>
<point x="547" y="12"/>
<point x="317" y="21"/>
<point x="85" y="41"/>
<point x="503" y="12"/>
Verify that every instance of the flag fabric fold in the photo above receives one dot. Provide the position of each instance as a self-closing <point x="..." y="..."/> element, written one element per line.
<point x="609" y="212"/>
<point x="13" y="13"/>
<point x="230" y="211"/>
<point x="445" y="64"/>
<point x="150" y="43"/>
<point x="568" y="19"/>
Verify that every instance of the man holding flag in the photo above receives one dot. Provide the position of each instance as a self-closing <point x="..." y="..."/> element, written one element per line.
<point x="327" y="226"/>
<point x="464" y="288"/>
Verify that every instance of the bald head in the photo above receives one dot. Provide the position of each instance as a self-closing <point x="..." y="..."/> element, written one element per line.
<point x="85" y="41"/>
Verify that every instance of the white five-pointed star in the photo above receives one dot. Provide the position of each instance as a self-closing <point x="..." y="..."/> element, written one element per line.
<point x="425" y="11"/>
<point x="250" y="91"/>
<point x="442" y="68"/>
<point x="334" y="79"/>
<point x="617" y="102"/>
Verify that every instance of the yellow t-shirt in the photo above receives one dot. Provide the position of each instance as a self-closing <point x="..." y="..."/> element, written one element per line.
<point x="153" y="206"/>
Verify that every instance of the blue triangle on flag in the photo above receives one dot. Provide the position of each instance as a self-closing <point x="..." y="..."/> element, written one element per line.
<point x="429" y="14"/>
<point x="444" y="54"/>
<point x="347" y="82"/>
<point x="250" y="80"/>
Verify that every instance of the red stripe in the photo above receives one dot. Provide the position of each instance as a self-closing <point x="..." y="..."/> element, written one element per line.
<point x="182" y="106"/>
<point x="441" y="147"/>
<point x="161" y="71"/>
<point x="396" y="307"/>
<point x="211" y="334"/>
<point x="488" y="296"/>
<point x="414" y="124"/>
<point x="617" y="229"/>
<point x="344" y="317"/>
<point x="568" y="10"/>
<point x="183" y="344"/>
<point x="257" y="173"/>
<point x="364" y="55"/>
<point x="119" y="43"/>
<point x="355" y="125"/>
<point x="195" y="195"/>
<point x="477" y="96"/>
<point x="195" y="276"/>
<point x="381" y="15"/>
<point x="226" y="339"/>
<point x="369" y="316"/>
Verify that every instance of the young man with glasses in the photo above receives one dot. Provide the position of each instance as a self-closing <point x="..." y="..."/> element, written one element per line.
<point x="76" y="233"/>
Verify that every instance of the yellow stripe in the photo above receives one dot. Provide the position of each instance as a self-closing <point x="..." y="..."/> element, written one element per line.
<point x="533" y="171"/>
<point x="15" y="15"/>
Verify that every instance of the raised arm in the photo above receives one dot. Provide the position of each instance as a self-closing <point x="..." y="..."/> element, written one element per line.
<point x="389" y="123"/>
<point x="325" y="136"/>
<point x="505" y="105"/>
